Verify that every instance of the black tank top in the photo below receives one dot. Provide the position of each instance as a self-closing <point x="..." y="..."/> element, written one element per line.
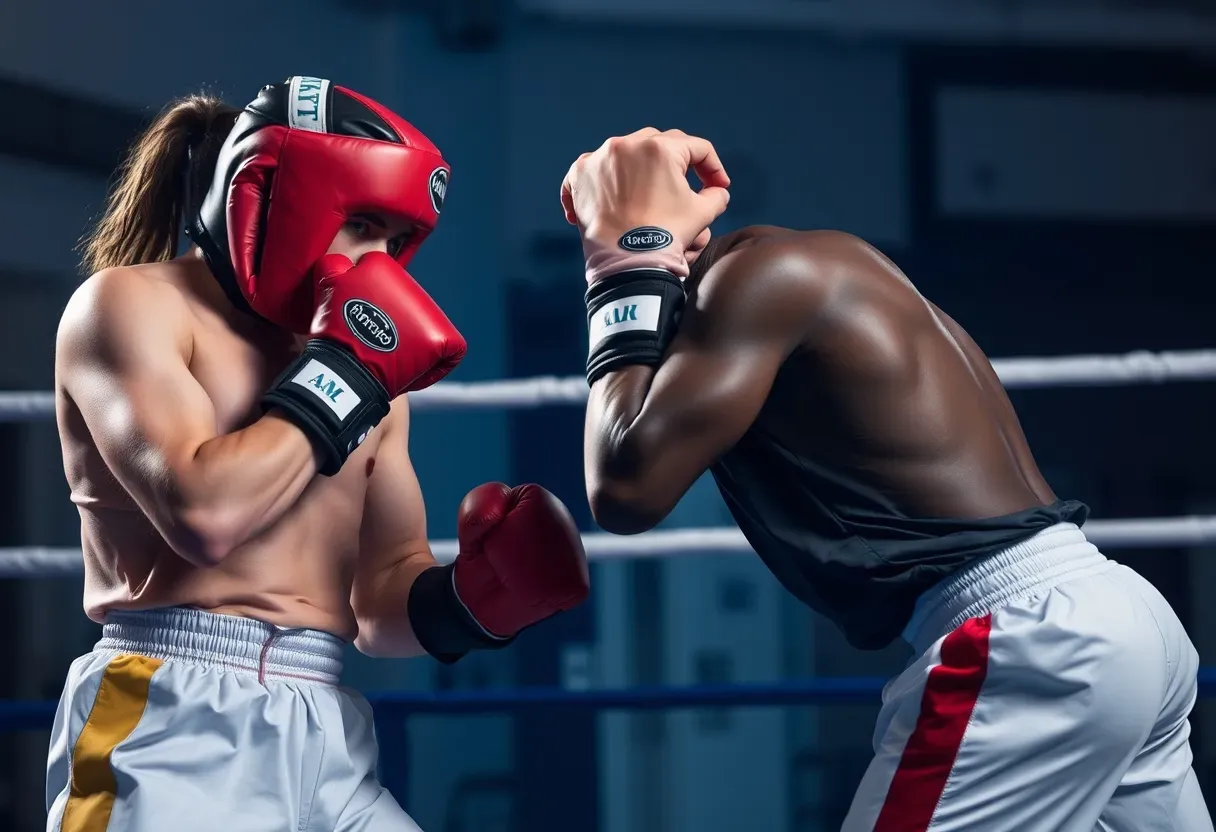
<point x="843" y="548"/>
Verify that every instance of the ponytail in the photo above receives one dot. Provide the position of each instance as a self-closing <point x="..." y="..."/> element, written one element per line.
<point x="171" y="162"/>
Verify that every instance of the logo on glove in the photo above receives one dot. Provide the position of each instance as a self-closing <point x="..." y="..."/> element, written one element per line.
<point x="438" y="186"/>
<point x="646" y="238"/>
<point x="370" y="325"/>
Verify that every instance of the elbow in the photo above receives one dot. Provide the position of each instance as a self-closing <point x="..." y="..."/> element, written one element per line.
<point x="620" y="509"/>
<point x="203" y="524"/>
<point x="371" y="640"/>
<point x="377" y="640"/>
<point x="210" y="554"/>
<point x="369" y="646"/>
<point x="205" y="538"/>
<point x="621" y="499"/>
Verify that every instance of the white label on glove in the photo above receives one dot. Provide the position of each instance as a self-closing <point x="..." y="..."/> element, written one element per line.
<point x="327" y="386"/>
<point x="637" y="312"/>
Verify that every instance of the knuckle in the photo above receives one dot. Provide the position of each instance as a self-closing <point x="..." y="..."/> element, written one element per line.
<point x="653" y="146"/>
<point x="576" y="168"/>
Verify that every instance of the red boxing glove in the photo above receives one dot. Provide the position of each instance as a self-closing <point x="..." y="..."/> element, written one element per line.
<point x="521" y="557"/>
<point x="375" y="335"/>
<point x="379" y="313"/>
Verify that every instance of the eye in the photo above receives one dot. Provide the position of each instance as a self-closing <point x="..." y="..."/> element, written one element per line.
<point x="359" y="228"/>
<point x="397" y="244"/>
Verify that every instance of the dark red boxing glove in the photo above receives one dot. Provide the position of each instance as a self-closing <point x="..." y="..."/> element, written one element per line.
<point x="376" y="334"/>
<point x="521" y="557"/>
<point x="521" y="561"/>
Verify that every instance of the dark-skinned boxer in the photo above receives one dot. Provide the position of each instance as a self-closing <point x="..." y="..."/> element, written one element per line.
<point x="871" y="457"/>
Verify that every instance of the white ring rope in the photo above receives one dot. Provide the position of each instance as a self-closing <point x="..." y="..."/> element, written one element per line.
<point x="524" y="393"/>
<point x="1064" y="371"/>
<point x="44" y="562"/>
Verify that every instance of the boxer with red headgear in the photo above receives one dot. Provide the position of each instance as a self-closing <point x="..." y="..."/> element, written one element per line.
<point x="301" y="159"/>
<point x="198" y="398"/>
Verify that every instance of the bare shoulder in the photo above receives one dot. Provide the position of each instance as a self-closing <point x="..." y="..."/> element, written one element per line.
<point x="779" y="281"/>
<point x="123" y="305"/>
<point x="798" y="267"/>
<point x="843" y="258"/>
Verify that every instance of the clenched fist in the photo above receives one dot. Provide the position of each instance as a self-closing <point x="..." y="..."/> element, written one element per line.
<point x="521" y="558"/>
<point x="633" y="205"/>
<point x="521" y="561"/>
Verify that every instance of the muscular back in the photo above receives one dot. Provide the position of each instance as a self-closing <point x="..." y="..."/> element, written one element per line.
<point x="133" y="408"/>
<point x="859" y="437"/>
<point x="885" y="386"/>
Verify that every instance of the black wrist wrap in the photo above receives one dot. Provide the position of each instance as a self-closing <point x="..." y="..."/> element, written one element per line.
<point x="631" y="318"/>
<point x="441" y="622"/>
<point x="332" y="398"/>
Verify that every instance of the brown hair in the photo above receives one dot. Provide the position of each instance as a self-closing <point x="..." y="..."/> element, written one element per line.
<point x="144" y="211"/>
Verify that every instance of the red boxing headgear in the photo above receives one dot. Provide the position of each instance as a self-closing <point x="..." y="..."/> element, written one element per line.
<point x="301" y="160"/>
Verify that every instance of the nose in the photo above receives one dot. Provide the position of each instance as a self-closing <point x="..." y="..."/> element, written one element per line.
<point x="368" y="246"/>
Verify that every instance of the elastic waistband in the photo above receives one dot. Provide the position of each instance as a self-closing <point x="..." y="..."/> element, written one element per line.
<point x="225" y="642"/>
<point x="1056" y="554"/>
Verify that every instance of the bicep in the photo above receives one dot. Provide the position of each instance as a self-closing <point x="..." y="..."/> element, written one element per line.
<point x="122" y="360"/>
<point x="710" y="387"/>
<point x="651" y="434"/>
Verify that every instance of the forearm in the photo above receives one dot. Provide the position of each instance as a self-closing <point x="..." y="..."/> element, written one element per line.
<point x="652" y="431"/>
<point x="231" y="488"/>
<point x="382" y="609"/>
<point x="615" y="447"/>
<point x="623" y="450"/>
<point x="632" y="319"/>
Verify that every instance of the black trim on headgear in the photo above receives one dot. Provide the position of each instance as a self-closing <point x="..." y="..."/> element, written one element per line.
<point x="207" y="227"/>
<point x="347" y="116"/>
<point x="220" y="264"/>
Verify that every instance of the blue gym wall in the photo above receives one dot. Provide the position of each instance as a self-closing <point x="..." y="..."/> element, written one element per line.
<point x="1095" y="239"/>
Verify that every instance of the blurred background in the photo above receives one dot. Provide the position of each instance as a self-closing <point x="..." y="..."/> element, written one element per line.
<point x="1045" y="170"/>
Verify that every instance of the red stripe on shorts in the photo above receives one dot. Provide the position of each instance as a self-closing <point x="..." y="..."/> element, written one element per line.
<point x="950" y="695"/>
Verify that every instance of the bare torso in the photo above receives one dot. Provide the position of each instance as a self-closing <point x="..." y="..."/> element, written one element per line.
<point x="297" y="573"/>
<point x="858" y="436"/>
<point x="889" y="389"/>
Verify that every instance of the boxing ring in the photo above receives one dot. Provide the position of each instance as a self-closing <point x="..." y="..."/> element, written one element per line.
<point x="1139" y="368"/>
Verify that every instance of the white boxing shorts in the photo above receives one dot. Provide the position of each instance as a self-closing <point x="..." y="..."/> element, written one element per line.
<point x="1050" y="693"/>
<point x="189" y="721"/>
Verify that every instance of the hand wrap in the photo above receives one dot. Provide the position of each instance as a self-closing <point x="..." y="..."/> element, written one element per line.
<point x="631" y="318"/>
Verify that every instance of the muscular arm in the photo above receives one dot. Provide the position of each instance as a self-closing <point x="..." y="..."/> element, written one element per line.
<point x="122" y="357"/>
<point x="393" y="549"/>
<point x="651" y="432"/>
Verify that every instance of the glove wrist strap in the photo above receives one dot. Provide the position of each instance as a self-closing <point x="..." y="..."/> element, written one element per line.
<point x="631" y="319"/>
<point x="333" y="398"/>
<point x="441" y="622"/>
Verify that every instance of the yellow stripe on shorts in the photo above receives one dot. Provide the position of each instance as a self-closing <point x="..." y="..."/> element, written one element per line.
<point x="118" y="708"/>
